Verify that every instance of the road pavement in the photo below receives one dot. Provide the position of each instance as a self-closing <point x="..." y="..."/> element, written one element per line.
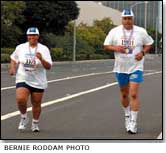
<point x="82" y="102"/>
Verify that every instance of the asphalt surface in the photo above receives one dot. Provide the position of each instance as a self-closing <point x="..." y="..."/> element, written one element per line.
<point x="93" y="114"/>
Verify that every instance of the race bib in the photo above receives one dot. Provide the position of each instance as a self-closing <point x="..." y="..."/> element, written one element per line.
<point x="30" y="63"/>
<point x="129" y="46"/>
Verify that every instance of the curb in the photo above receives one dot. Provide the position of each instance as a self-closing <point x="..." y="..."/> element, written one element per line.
<point x="6" y="65"/>
<point x="148" y="56"/>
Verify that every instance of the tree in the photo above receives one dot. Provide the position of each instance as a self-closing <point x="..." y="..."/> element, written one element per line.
<point x="93" y="35"/>
<point x="152" y="33"/>
<point x="50" y="16"/>
<point x="10" y="11"/>
<point x="105" y="24"/>
<point x="10" y="14"/>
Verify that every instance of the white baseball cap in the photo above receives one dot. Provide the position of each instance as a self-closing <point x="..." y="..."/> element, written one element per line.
<point x="32" y="31"/>
<point x="127" y="12"/>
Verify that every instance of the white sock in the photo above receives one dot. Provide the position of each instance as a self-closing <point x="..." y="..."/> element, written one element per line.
<point x="134" y="115"/>
<point x="24" y="115"/>
<point x="127" y="110"/>
<point x="35" y="121"/>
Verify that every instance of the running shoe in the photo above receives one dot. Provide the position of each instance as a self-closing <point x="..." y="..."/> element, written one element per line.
<point x="23" y="122"/>
<point x="133" y="127"/>
<point x="35" y="127"/>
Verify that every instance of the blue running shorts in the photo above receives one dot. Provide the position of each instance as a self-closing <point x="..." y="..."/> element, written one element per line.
<point x="124" y="78"/>
<point x="31" y="89"/>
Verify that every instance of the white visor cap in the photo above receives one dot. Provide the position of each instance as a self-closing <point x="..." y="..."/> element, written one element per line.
<point x="32" y="31"/>
<point x="127" y="12"/>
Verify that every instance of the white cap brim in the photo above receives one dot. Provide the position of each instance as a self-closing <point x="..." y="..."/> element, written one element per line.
<point x="32" y="33"/>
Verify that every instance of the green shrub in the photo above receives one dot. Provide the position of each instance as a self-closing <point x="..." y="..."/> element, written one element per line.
<point x="82" y="57"/>
<point x="96" y="56"/>
<point x="67" y="57"/>
<point x="56" y="54"/>
<point x="5" y="58"/>
<point x="7" y="50"/>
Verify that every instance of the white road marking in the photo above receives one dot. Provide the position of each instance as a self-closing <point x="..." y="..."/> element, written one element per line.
<point x="147" y="74"/>
<point x="67" y="78"/>
<point x="6" y="88"/>
<point x="80" y="76"/>
<point x="10" y="115"/>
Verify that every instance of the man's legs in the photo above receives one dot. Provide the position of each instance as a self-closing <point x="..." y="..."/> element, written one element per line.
<point x="129" y="84"/>
<point x="133" y="92"/>
<point x="134" y="104"/>
<point x="130" y="103"/>
<point x="135" y="79"/>
<point x="124" y="96"/>
<point x="123" y="81"/>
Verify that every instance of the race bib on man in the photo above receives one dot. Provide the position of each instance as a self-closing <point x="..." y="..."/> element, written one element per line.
<point x="129" y="46"/>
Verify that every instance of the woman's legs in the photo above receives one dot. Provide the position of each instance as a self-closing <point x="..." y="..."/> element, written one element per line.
<point x="36" y="98"/>
<point x="22" y="95"/>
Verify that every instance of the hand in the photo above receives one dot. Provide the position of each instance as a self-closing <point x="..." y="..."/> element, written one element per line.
<point x="120" y="49"/>
<point x="12" y="71"/>
<point x="39" y="56"/>
<point x="139" y="56"/>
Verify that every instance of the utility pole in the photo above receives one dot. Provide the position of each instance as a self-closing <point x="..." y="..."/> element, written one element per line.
<point x="145" y="19"/>
<point x="156" y="45"/>
<point x="74" y="41"/>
